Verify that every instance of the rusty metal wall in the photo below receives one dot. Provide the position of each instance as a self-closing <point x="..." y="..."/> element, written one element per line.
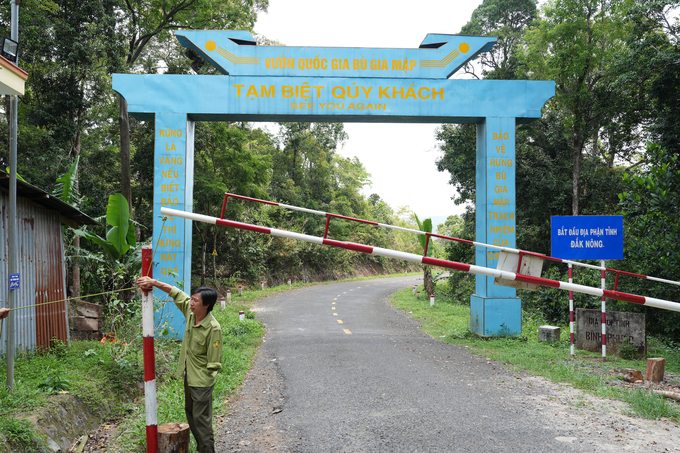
<point x="41" y="264"/>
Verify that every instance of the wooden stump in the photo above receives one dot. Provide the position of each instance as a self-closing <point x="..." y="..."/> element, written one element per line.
<point x="655" y="369"/>
<point x="173" y="438"/>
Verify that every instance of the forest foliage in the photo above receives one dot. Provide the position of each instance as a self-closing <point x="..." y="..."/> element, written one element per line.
<point x="606" y="144"/>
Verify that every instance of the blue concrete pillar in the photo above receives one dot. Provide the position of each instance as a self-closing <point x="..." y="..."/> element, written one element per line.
<point x="173" y="188"/>
<point x="495" y="310"/>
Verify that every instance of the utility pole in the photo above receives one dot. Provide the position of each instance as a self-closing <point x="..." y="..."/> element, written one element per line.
<point x="12" y="259"/>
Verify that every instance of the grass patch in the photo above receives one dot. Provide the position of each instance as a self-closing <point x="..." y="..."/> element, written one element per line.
<point x="450" y="322"/>
<point x="650" y="405"/>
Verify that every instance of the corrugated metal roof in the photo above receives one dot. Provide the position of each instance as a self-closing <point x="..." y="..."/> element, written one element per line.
<point x="48" y="201"/>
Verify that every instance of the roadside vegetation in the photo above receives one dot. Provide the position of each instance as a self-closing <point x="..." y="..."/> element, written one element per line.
<point x="449" y="321"/>
<point x="108" y="378"/>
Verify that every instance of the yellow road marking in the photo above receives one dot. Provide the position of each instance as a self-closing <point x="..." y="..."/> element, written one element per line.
<point x="335" y="314"/>
<point x="339" y="321"/>
<point x="332" y="308"/>
<point x="347" y="331"/>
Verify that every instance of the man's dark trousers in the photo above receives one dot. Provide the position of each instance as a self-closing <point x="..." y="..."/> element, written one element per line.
<point x="198" y="407"/>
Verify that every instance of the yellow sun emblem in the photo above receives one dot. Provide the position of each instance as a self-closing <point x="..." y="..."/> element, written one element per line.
<point x="216" y="344"/>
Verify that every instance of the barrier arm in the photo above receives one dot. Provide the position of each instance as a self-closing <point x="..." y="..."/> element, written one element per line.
<point x="521" y="253"/>
<point x="616" y="295"/>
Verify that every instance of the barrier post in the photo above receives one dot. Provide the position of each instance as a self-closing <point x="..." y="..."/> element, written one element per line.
<point x="240" y="290"/>
<point x="604" y="317"/>
<point x="228" y="296"/>
<point x="223" y="304"/>
<point x="571" y="311"/>
<point x="149" y="356"/>
<point x="261" y="284"/>
<point x="431" y="300"/>
<point x="414" y="289"/>
<point x="241" y="315"/>
<point x="289" y="283"/>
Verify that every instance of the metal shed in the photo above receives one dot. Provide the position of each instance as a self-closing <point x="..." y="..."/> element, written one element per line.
<point x="40" y="217"/>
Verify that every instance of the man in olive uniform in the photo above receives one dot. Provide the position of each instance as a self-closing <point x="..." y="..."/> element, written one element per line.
<point x="200" y="358"/>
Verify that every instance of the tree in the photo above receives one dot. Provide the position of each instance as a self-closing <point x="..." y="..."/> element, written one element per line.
<point x="574" y="44"/>
<point x="69" y="47"/>
<point x="452" y="227"/>
<point x="651" y="206"/>
<point x="235" y="160"/>
<point x="506" y="20"/>
<point x="148" y="22"/>
<point x="305" y="169"/>
<point x="650" y="63"/>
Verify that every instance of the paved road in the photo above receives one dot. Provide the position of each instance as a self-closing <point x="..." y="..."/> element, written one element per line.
<point x="360" y="377"/>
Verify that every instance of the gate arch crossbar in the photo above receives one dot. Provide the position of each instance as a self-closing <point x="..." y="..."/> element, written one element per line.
<point x="470" y="268"/>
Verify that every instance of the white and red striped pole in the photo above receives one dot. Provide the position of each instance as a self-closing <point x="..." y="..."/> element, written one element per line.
<point x="571" y="311"/>
<point x="604" y="316"/>
<point x="471" y="268"/>
<point x="431" y="300"/>
<point x="228" y="296"/>
<point x="149" y="356"/>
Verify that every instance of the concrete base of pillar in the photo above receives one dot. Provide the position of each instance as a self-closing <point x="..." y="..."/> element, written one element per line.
<point x="496" y="316"/>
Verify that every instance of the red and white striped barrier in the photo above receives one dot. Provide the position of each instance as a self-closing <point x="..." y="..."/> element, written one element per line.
<point x="149" y="357"/>
<point x="611" y="294"/>
<point x="465" y="241"/>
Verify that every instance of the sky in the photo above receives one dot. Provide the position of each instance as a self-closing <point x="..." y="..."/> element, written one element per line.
<point x="400" y="157"/>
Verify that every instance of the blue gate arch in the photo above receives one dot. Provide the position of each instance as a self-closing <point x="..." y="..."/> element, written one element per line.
<point x="327" y="84"/>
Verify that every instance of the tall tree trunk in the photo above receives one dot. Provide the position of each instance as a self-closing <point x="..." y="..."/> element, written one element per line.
<point x="205" y="246"/>
<point x="576" y="151"/>
<point x="124" y="122"/>
<point x="428" y="284"/>
<point x="75" y="289"/>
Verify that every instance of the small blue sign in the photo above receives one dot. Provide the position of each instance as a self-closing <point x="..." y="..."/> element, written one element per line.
<point x="587" y="237"/>
<point x="14" y="281"/>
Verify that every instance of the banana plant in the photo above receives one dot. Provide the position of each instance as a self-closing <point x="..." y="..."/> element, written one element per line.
<point x="121" y="234"/>
<point x="426" y="227"/>
<point x="67" y="185"/>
